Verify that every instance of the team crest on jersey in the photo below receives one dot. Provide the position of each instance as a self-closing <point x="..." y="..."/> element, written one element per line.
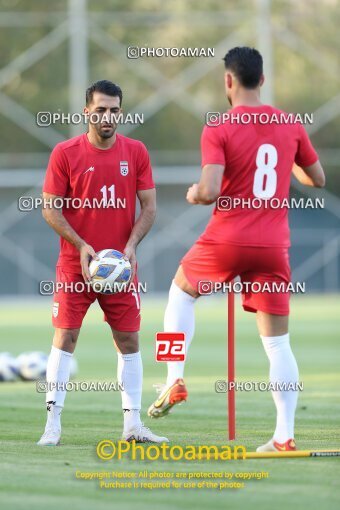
<point x="55" y="310"/>
<point x="124" y="168"/>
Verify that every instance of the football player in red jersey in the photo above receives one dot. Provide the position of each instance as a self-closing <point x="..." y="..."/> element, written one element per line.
<point x="245" y="160"/>
<point x="97" y="166"/>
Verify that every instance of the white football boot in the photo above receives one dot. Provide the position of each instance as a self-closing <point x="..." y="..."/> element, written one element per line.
<point x="51" y="437"/>
<point x="142" y="434"/>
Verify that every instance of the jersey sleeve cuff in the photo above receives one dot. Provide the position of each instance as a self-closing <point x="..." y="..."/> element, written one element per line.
<point x="205" y="163"/>
<point x="144" y="188"/>
<point x="308" y="162"/>
<point x="54" y="192"/>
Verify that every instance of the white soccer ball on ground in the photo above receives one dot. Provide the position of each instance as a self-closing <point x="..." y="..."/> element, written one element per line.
<point x="8" y="367"/>
<point x="32" y="365"/>
<point x="111" y="273"/>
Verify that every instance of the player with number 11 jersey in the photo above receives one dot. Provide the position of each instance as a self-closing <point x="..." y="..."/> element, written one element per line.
<point x="98" y="177"/>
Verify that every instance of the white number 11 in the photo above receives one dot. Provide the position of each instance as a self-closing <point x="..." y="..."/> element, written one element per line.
<point x="104" y="191"/>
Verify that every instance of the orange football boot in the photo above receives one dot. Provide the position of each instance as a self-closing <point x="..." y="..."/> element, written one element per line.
<point x="274" y="446"/>
<point x="168" y="397"/>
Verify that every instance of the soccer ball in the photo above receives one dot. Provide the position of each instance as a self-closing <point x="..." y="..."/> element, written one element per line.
<point x="111" y="273"/>
<point x="32" y="365"/>
<point x="8" y="367"/>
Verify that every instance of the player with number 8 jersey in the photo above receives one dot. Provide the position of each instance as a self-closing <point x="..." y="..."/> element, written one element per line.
<point x="247" y="163"/>
<point x="258" y="160"/>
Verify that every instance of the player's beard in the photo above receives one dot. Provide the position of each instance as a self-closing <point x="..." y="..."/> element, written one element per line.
<point x="106" y="133"/>
<point x="229" y="99"/>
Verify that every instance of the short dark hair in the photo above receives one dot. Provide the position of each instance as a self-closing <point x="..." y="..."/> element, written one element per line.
<point x="247" y="65"/>
<point x="106" y="87"/>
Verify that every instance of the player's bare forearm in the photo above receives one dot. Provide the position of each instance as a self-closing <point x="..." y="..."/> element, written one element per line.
<point x="208" y="189"/>
<point x="141" y="227"/>
<point x="199" y="196"/>
<point x="54" y="217"/>
<point x="147" y="199"/>
<point x="312" y="175"/>
<point x="206" y="196"/>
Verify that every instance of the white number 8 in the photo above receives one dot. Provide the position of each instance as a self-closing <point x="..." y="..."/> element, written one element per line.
<point x="265" y="178"/>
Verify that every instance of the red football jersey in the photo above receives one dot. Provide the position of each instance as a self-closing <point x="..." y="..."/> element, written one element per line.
<point x="258" y="160"/>
<point x="91" y="176"/>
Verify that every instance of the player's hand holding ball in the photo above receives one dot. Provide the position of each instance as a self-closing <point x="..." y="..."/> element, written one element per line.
<point x="192" y="194"/>
<point x="110" y="271"/>
<point x="86" y="254"/>
<point x="130" y="255"/>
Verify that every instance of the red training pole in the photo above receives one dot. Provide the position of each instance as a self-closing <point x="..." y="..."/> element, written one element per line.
<point x="231" y="364"/>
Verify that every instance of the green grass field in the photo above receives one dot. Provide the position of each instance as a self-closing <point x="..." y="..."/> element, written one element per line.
<point x="37" y="478"/>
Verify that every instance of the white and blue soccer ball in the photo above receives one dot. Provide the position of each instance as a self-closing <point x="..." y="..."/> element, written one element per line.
<point x="8" y="367"/>
<point x="32" y="365"/>
<point x="111" y="273"/>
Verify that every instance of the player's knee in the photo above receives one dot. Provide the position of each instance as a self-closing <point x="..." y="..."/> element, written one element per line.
<point x="65" y="339"/>
<point x="182" y="282"/>
<point x="126" y="341"/>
